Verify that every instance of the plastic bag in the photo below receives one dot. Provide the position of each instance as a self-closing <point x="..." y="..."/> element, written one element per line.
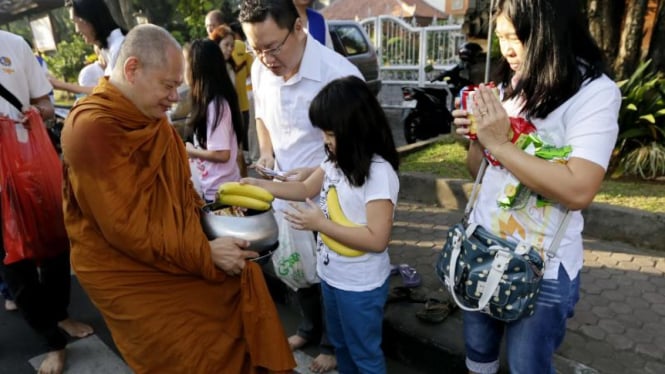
<point x="31" y="192"/>
<point x="294" y="260"/>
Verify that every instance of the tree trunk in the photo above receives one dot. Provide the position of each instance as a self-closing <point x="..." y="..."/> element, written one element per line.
<point x="116" y="12"/>
<point x="122" y="12"/>
<point x="604" y="16"/>
<point x="631" y="38"/>
<point x="656" y="50"/>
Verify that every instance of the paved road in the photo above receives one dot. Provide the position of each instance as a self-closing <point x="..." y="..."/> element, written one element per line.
<point x="21" y="350"/>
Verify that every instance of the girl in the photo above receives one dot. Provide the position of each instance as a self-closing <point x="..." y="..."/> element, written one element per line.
<point x="554" y="79"/>
<point x="215" y="118"/>
<point x="361" y="167"/>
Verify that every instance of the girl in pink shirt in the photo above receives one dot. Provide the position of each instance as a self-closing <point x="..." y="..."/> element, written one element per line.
<point x="215" y="118"/>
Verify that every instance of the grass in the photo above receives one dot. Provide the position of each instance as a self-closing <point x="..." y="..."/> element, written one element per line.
<point x="446" y="159"/>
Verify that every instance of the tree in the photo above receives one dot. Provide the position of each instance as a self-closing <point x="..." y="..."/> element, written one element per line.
<point x="656" y="50"/>
<point x="603" y="18"/>
<point x="631" y="38"/>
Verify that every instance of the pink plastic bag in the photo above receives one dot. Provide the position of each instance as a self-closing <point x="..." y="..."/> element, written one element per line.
<point x="31" y="192"/>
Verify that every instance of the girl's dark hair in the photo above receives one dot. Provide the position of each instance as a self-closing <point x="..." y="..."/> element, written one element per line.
<point x="98" y="15"/>
<point x="210" y="82"/>
<point x="347" y="108"/>
<point x="560" y="52"/>
<point x="283" y="12"/>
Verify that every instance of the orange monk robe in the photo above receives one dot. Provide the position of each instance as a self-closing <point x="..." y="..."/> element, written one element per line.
<point x="139" y="251"/>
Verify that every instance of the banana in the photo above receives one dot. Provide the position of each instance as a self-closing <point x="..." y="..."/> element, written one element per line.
<point x="337" y="215"/>
<point x="243" y="201"/>
<point x="248" y="190"/>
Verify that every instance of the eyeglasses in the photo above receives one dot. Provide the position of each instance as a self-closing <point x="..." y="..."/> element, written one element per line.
<point x="272" y="52"/>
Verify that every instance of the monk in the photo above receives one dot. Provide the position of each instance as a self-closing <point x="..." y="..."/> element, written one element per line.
<point x="174" y="301"/>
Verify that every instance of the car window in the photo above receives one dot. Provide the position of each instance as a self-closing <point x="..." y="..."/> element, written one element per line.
<point x="350" y="39"/>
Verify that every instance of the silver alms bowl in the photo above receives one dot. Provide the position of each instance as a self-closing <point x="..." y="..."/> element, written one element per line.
<point x="259" y="228"/>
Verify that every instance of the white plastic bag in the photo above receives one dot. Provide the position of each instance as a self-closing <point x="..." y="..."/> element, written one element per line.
<point x="295" y="259"/>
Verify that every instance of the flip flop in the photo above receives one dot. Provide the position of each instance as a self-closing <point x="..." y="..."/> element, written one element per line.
<point x="435" y="311"/>
<point x="409" y="295"/>
<point x="410" y="277"/>
<point x="394" y="269"/>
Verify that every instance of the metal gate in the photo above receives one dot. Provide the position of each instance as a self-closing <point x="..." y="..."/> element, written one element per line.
<point x="410" y="55"/>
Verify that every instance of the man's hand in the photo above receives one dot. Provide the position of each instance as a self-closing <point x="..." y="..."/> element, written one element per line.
<point x="229" y="254"/>
<point x="299" y="174"/>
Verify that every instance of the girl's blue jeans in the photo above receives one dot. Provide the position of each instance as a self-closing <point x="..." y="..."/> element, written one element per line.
<point x="355" y="326"/>
<point x="530" y="341"/>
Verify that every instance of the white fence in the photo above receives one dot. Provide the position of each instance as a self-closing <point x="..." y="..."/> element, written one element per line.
<point x="410" y="56"/>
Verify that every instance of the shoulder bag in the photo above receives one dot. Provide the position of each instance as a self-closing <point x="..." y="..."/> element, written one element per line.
<point x="486" y="273"/>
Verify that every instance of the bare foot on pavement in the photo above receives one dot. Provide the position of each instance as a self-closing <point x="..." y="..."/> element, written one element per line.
<point x="323" y="363"/>
<point x="10" y="305"/>
<point x="75" y="329"/>
<point x="54" y="363"/>
<point x="296" y="342"/>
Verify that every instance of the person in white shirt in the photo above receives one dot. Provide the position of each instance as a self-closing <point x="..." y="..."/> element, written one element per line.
<point x="41" y="289"/>
<point x="553" y="77"/>
<point x="92" y="19"/>
<point x="290" y="69"/>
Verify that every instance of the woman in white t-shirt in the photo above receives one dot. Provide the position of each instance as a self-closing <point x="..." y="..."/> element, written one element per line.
<point x="553" y="78"/>
<point x="361" y="170"/>
<point x="92" y="19"/>
<point x="215" y="119"/>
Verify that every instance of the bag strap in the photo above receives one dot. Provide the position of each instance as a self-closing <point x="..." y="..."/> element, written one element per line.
<point x="10" y="98"/>
<point x="558" y="236"/>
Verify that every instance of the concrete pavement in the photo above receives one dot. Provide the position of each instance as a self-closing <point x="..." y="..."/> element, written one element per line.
<point x="619" y="325"/>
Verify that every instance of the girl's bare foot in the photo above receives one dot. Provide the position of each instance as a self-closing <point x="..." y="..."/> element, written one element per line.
<point x="54" y="363"/>
<point x="75" y="329"/>
<point x="296" y="342"/>
<point x="10" y="305"/>
<point x="323" y="363"/>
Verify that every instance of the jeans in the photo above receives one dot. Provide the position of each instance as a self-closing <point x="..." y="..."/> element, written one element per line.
<point x="530" y="341"/>
<point x="355" y="328"/>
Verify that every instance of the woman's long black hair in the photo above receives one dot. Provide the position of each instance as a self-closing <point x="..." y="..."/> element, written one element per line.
<point x="347" y="108"/>
<point x="98" y="15"/>
<point x="210" y="82"/>
<point x="560" y="52"/>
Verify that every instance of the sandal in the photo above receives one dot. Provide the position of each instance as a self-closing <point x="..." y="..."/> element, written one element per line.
<point x="435" y="311"/>
<point x="410" y="277"/>
<point x="409" y="295"/>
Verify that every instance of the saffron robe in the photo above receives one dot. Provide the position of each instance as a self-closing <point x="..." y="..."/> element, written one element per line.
<point x="139" y="251"/>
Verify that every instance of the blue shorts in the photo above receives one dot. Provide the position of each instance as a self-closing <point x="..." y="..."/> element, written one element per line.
<point x="530" y="341"/>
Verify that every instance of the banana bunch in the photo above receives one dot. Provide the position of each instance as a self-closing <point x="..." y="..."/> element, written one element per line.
<point x="244" y="195"/>
<point x="337" y="215"/>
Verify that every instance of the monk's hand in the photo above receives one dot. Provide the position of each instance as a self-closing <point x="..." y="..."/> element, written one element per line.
<point x="230" y="254"/>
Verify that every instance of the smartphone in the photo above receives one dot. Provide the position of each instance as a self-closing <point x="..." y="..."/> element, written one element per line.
<point x="270" y="172"/>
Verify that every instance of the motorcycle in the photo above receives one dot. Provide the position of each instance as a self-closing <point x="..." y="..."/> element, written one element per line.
<point x="428" y="109"/>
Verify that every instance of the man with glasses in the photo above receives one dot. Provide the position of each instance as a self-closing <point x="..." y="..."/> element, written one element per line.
<point x="291" y="67"/>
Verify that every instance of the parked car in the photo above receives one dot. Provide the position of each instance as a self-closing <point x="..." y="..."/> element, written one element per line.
<point x="350" y="40"/>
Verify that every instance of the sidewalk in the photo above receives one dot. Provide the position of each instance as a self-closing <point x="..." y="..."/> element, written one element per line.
<point x="619" y="326"/>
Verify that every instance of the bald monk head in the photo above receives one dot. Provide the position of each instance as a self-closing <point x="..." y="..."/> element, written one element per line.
<point x="149" y="69"/>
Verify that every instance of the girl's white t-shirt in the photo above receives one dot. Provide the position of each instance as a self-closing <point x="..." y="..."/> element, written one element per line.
<point x="588" y="123"/>
<point x="368" y="271"/>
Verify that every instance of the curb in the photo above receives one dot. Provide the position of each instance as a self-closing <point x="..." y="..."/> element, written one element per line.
<point x="633" y="226"/>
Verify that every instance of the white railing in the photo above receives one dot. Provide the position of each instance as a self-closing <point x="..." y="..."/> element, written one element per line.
<point x="412" y="55"/>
